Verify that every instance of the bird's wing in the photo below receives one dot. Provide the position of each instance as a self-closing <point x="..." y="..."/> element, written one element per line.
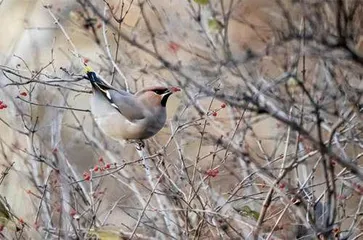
<point x="98" y="82"/>
<point x="126" y="104"/>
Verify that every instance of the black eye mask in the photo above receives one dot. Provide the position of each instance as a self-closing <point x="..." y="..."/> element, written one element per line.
<point x="160" y="91"/>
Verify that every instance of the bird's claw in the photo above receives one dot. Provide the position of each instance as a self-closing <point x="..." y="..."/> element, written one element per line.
<point x="146" y="167"/>
<point x="140" y="145"/>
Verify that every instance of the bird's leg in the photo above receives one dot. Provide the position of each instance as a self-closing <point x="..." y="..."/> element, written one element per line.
<point x="140" y="145"/>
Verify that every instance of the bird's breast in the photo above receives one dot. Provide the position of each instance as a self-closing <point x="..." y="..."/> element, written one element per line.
<point x="115" y="125"/>
<point x="119" y="128"/>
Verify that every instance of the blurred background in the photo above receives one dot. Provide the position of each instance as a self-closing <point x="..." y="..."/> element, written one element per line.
<point x="263" y="142"/>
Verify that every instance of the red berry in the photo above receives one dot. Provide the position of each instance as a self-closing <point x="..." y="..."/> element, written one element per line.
<point x="174" y="47"/>
<point x="214" y="114"/>
<point x="282" y="185"/>
<point x="86" y="176"/>
<point x="5" y="106"/>
<point x="223" y="105"/>
<point x="58" y="209"/>
<point x="108" y="165"/>
<point x="73" y="212"/>
<point x="96" y="168"/>
<point x="21" y="221"/>
<point x="23" y="94"/>
<point x="341" y="197"/>
<point x="212" y="172"/>
<point x="100" y="160"/>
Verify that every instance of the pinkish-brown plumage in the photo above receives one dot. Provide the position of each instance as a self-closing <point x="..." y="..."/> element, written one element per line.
<point x="124" y="116"/>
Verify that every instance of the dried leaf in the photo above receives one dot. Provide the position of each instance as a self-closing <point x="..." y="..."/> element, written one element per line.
<point x="202" y="2"/>
<point x="292" y="82"/>
<point x="214" y="25"/>
<point x="104" y="234"/>
<point x="248" y="212"/>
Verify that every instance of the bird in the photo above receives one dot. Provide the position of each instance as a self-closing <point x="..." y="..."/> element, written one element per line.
<point x="125" y="116"/>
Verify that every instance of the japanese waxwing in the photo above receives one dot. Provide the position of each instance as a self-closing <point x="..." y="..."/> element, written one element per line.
<point x="125" y="116"/>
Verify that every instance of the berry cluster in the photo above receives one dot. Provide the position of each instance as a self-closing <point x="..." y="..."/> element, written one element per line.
<point x="212" y="172"/>
<point x="2" y="105"/>
<point x="214" y="112"/>
<point x="101" y="167"/>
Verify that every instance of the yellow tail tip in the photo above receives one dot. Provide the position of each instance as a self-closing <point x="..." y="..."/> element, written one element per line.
<point x="87" y="69"/>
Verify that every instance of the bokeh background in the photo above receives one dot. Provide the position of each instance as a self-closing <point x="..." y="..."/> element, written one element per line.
<point x="264" y="141"/>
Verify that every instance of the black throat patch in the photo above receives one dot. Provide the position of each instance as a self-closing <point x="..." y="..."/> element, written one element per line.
<point x="165" y="99"/>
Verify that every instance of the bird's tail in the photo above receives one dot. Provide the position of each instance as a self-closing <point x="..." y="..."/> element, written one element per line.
<point x="91" y="75"/>
<point x="96" y="81"/>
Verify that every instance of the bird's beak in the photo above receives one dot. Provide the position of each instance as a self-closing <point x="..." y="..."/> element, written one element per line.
<point x="174" y="89"/>
<point x="167" y="94"/>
